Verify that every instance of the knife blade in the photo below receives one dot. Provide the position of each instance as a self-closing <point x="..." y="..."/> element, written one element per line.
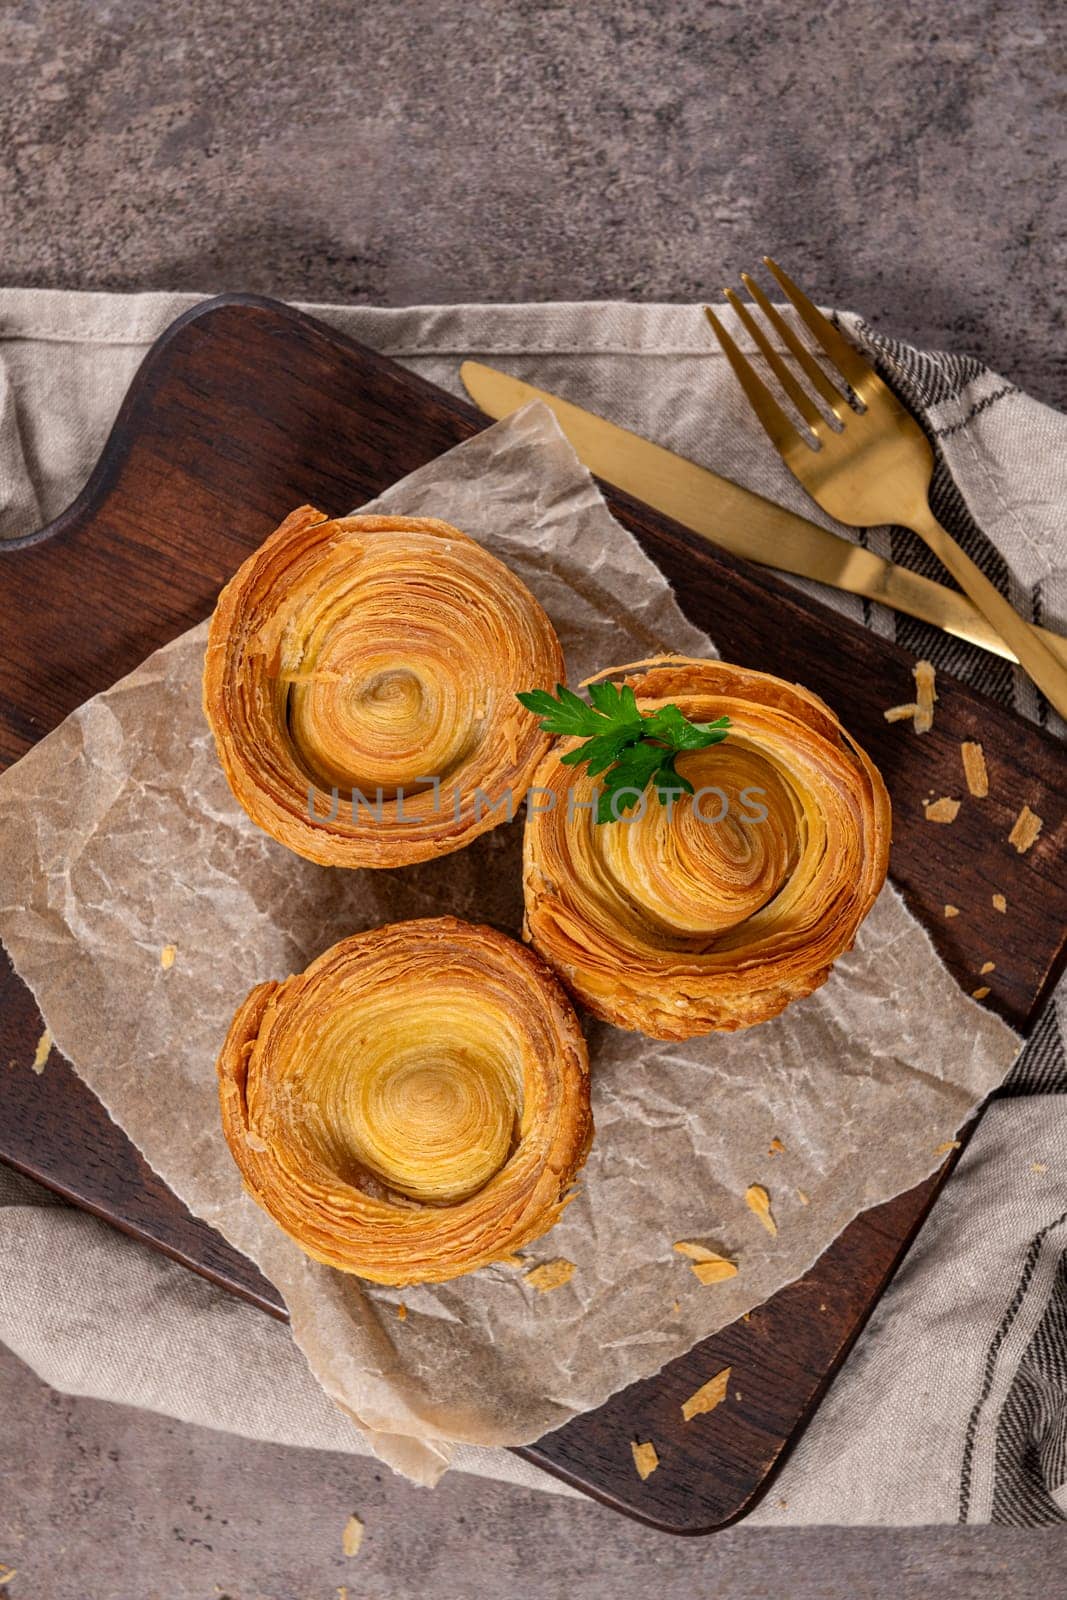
<point x="737" y="519"/>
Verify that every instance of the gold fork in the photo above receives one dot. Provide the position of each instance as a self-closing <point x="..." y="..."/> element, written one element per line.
<point x="876" y="466"/>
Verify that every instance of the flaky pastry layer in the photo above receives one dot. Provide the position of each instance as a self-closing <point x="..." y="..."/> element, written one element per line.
<point x="715" y="913"/>
<point x="360" y="682"/>
<point x="413" y="1106"/>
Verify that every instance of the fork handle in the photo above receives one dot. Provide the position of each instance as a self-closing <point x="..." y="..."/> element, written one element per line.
<point x="1031" y="651"/>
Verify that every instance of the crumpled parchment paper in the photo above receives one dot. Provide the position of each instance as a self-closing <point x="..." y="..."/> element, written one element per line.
<point x="119" y="837"/>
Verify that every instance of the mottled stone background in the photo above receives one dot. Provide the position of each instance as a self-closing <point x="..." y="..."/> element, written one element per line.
<point x="905" y="158"/>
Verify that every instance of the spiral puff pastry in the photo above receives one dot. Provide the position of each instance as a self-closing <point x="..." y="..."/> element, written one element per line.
<point x="351" y="663"/>
<point x="676" y="924"/>
<point x="414" y="1105"/>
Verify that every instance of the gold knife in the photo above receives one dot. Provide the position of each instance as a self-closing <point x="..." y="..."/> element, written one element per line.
<point x="737" y="519"/>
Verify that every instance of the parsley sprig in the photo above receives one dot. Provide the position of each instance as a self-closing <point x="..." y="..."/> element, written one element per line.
<point x="629" y="747"/>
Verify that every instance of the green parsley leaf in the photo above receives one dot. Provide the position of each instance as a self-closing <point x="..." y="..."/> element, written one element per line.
<point x="631" y="748"/>
<point x="676" y="730"/>
<point x="670" y="782"/>
<point x="598" y="754"/>
<point x="627" y="781"/>
<point x="620" y="704"/>
<point x="563" y="712"/>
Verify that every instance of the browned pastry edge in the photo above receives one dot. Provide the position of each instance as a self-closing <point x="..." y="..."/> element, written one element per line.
<point x="246" y="709"/>
<point x="690" y="987"/>
<point x="356" y="1224"/>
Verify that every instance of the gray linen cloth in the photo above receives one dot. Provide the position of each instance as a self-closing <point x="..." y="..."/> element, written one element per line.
<point x="953" y="1406"/>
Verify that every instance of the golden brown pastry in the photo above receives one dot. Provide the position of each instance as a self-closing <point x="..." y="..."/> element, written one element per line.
<point x="677" y="924"/>
<point x="358" y="658"/>
<point x="414" y="1105"/>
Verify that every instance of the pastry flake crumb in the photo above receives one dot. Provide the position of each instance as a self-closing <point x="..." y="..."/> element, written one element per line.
<point x="943" y="810"/>
<point x="714" y="1271"/>
<point x="776" y="1147"/>
<point x="515" y="1259"/>
<point x="1000" y="904"/>
<point x="901" y="713"/>
<point x="925" y="695"/>
<point x="1025" y="830"/>
<point x="804" y="1199"/>
<point x="990" y="966"/>
<point x="707" y="1397"/>
<point x="645" y="1458"/>
<point x="920" y="711"/>
<point x="255" y="1141"/>
<point x="43" y="1051"/>
<point x="6" y="1574"/>
<point x="166" y="956"/>
<point x="947" y="1145"/>
<point x="952" y="911"/>
<point x="980" y="994"/>
<point x="695" y="1252"/>
<point x="402" y="1312"/>
<point x="708" y="1265"/>
<point x="352" y="1537"/>
<point x="551" y="1274"/>
<point x="974" y="769"/>
<point x="1039" y="1166"/>
<point x="758" y="1201"/>
<point x="676" y="1309"/>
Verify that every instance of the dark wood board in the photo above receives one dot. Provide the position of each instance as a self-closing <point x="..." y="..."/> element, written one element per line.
<point x="245" y="409"/>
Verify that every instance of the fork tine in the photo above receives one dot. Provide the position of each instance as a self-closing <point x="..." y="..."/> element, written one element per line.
<point x="847" y="359"/>
<point x="808" y="410"/>
<point x="799" y="351"/>
<point x="782" y="433"/>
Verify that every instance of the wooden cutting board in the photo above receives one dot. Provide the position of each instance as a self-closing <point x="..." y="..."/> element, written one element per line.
<point x="245" y="409"/>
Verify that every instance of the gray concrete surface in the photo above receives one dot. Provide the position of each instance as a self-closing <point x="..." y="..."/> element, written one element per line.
<point x="904" y="157"/>
<point x="103" y="1503"/>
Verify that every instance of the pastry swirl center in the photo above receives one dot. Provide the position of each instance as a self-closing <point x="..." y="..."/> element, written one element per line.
<point x="381" y="717"/>
<point x="435" y="1125"/>
<point x="713" y="861"/>
<point x="419" y="1093"/>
